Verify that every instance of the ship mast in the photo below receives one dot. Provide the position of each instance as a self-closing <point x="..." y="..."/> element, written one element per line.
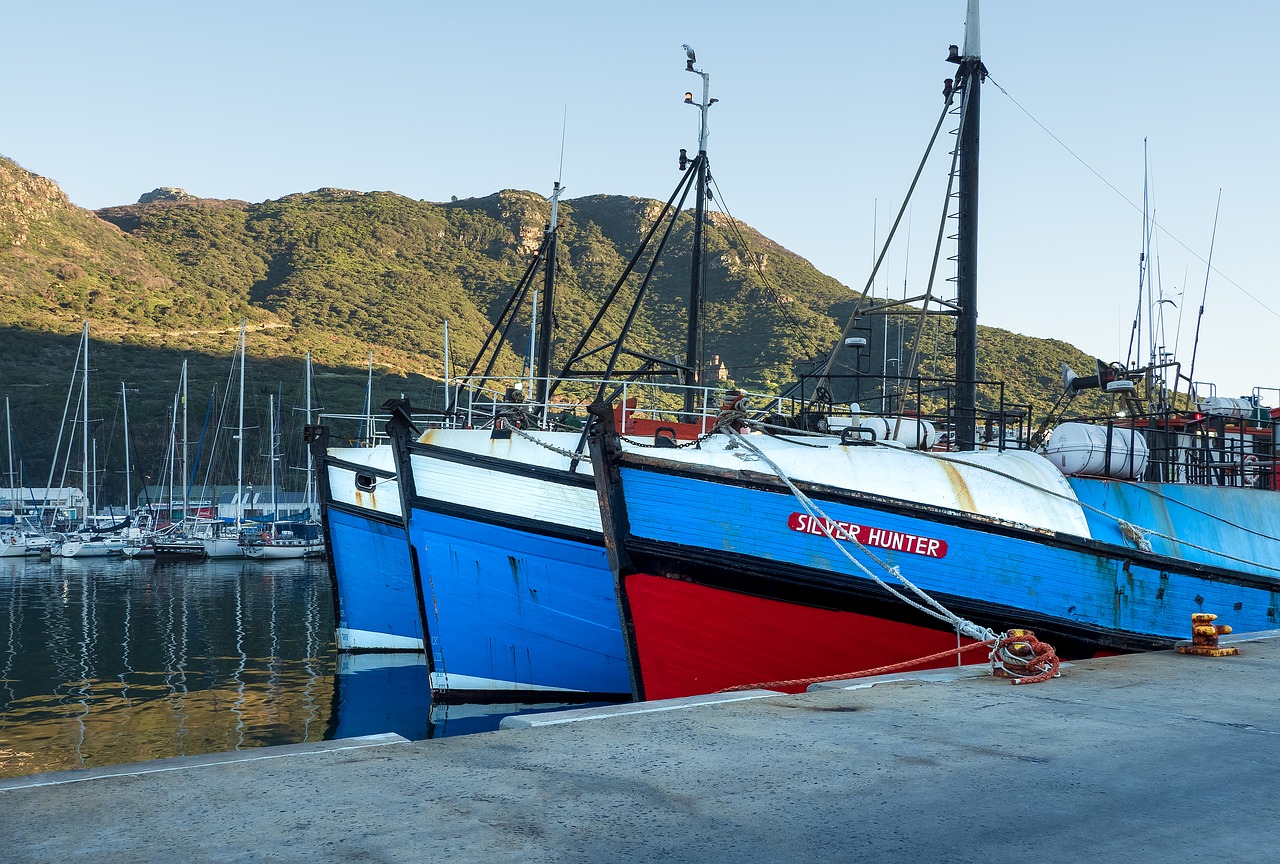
<point x="968" y="80"/>
<point x="693" y="354"/>
<point x="540" y="368"/>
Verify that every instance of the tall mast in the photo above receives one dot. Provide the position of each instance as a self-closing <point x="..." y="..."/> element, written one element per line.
<point x="542" y="368"/>
<point x="271" y="411"/>
<point x="13" y="487"/>
<point x="968" y="80"/>
<point x="186" y="476"/>
<point x="173" y="454"/>
<point x="693" y="355"/>
<point x="310" y="467"/>
<point x="128" y="481"/>
<point x="240" y="438"/>
<point x="84" y="389"/>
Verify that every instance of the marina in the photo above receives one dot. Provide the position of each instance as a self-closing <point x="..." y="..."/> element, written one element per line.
<point x="698" y="553"/>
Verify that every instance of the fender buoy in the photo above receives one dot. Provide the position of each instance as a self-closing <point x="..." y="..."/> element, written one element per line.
<point x="1250" y="470"/>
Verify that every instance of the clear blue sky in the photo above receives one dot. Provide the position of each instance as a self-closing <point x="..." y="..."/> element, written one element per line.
<point x="824" y="111"/>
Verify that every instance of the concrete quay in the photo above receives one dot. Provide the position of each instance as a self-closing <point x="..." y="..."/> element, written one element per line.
<point x="1149" y="758"/>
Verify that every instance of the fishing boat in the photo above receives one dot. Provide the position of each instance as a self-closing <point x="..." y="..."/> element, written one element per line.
<point x="498" y="501"/>
<point x="409" y="533"/>
<point x="375" y="597"/>
<point x="772" y="558"/>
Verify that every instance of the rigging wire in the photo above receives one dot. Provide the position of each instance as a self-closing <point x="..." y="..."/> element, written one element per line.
<point x="1124" y="198"/>
<point x="1191" y="373"/>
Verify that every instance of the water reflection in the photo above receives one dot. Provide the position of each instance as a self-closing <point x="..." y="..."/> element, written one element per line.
<point x="107" y="661"/>
<point x="118" y="661"/>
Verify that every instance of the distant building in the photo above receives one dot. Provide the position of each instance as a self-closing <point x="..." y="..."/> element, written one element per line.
<point x="221" y="502"/>
<point x="257" y="503"/>
<point x="715" y="372"/>
<point x="68" y="501"/>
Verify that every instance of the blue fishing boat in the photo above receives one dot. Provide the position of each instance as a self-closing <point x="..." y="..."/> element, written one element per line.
<point x="773" y="558"/>
<point x="375" y="596"/>
<point x="499" y="504"/>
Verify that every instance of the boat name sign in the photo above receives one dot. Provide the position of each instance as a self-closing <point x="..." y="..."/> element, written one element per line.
<point x="883" y="538"/>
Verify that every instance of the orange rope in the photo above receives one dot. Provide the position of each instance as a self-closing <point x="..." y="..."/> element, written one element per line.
<point x="1033" y="661"/>
<point x="1042" y="662"/>
<point x="879" y="670"/>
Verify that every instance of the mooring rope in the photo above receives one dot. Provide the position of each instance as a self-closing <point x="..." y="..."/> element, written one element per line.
<point x="1042" y="666"/>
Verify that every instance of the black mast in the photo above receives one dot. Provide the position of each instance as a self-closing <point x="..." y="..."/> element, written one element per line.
<point x="968" y="81"/>
<point x="693" y="354"/>
<point x="542" y="367"/>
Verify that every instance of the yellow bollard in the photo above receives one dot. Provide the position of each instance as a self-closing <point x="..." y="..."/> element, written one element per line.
<point x="1204" y="637"/>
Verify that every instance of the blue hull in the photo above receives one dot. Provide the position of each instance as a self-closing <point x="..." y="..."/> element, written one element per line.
<point x="1220" y="526"/>
<point x="377" y="603"/>
<point x="510" y="610"/>
<point x="743" y="537"/>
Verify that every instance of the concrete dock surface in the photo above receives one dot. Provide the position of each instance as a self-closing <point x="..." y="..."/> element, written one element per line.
<point x="1156" y="757"/>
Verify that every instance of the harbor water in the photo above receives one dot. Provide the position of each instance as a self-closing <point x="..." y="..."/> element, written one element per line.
<point x="105" y="661"/>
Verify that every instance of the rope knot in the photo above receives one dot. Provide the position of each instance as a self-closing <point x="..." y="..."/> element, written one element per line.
<point x="1135" y="535"/>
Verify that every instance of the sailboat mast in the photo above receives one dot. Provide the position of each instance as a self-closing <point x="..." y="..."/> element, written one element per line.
<point x="240" y="439"/>
<point x="693" y="353"/>
<point x="271" y="410"/>
<point x="310" y="465"/>
<point x="13" y="486"/>
<point x="186" y="476"/>
<point x="128" y="465"/>
<point x="173" y="454"/>
<point x="84" y="392"/>
<point x="968" y="78"/>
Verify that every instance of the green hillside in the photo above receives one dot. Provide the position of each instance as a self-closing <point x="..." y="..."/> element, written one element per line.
<point x="341" y="274"/>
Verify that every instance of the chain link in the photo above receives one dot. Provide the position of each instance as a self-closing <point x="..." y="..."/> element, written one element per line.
<point x="568" y="454"/>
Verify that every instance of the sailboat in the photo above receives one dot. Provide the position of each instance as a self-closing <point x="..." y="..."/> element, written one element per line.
<point x="94" y="539"/>
<point x="13" y="540"/>
<point x="222" y="539"/>
<point x="280" y="539"/>
<point x="794" y="560"/>
<point x="178" y="540"/>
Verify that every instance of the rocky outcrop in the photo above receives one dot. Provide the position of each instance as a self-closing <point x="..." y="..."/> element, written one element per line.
<point x="166" y="193"/>
<point x="25" y="198"/>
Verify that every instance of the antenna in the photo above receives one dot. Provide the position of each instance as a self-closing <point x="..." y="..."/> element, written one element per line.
<point x="1208" y="268"/>
<point x="564" y="127"/>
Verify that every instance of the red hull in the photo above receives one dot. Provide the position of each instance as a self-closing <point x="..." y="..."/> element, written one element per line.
<point x="691" y="639"/>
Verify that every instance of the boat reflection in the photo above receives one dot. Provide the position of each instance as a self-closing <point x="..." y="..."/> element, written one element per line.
<point x="109" y="661"/>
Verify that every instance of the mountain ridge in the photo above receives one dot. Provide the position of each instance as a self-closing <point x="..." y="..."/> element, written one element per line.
<point x="342" y="273"/>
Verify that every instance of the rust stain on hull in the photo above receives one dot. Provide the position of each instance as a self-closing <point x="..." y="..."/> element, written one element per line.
<point x="958" y="485"/>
